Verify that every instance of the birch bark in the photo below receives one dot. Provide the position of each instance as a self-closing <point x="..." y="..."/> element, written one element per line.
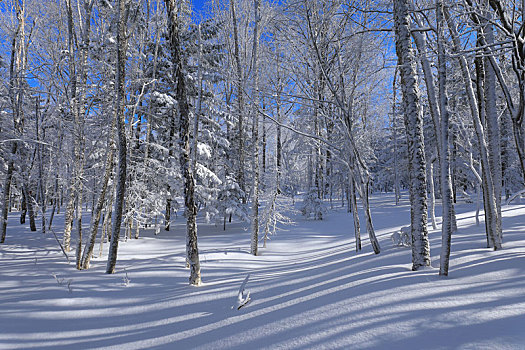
<point x="255" y="136"/>
<point x="488" y="186"/>
<point x="446" y="188"/>
<point x="78" y="81"/>
<point x="414" y="130"/>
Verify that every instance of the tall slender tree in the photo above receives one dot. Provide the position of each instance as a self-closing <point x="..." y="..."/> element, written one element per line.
<point x="446" y="188"/>
<point x="255" y="136"/>
<point x="174" y="32"/>
<point x="122" y="43"/>
<point x="414" y="130"/>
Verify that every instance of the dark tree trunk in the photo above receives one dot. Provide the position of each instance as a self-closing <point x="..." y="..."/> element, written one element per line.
<point x="122" y="149"/>
<point x="23" y="212"/>
<point x="192" y="252"/>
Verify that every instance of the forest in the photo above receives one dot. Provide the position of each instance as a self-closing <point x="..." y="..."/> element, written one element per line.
<point x="127" y="121"/>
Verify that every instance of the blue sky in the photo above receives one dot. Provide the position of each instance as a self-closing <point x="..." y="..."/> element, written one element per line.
<point x="197" y="5"/>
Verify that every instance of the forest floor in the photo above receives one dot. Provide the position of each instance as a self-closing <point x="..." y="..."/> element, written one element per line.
<point x="309" y="289"/>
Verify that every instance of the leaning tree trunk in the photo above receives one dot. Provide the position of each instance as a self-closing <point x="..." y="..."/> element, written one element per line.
<point x="121" y="132"/>
<point x="95" y="221"/>
<point x="414" y="130"/>
<point x="434" y="102"/>
<point x="368" y="217"/>
<point x="488" y="185"/>
<point x="192" y="251"/>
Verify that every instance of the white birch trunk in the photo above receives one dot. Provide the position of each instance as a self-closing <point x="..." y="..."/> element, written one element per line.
<point x="432" y="197"/>
<point x="394" y="136"/>
<point x="352" y="204"/>
<point x="78" y="77"/>
<point x="255" y="136"/>
<point x="414" y="128"/>
<point x="446" y="188"/>
<point x="488" y="186"/>
<point x="435" y="111"/>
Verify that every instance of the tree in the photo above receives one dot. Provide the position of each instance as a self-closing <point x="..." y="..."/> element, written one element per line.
<point x="488" y="184"/>
<point x="122" y="15"/>
<point x="184" y="142"/>
<point x="16" y="90"/>
<point x="414" y="129"/>
<point x="446" y="188"/>
<point x="255" y="134"/>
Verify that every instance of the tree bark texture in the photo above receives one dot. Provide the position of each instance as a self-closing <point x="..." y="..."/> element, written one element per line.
<point x="192" y="251"/>
<point x="240" y="101"/>
<point x="255" y="136"/>
<point x="492" y="127"/>
<point x="16" y="96"/>
<point x="97" y="212"/>
<point x="414" y="130"/>
<point x="78" y="82"/>
<point x="446" y="188"/>
<point x="121" y="133"/>
<point x="486" y="175"/>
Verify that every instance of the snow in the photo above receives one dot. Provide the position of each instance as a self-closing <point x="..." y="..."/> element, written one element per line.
<point x="204" y="150"/>
<point x="308" y="289"/>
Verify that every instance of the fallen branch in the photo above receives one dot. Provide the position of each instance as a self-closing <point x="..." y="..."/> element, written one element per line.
<point x="514" y="196"/>
<point x="60" y="244"/>
<point x="241" y="298"/>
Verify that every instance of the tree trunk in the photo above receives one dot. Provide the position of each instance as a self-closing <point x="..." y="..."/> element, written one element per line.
<point x="493" y="129"/>
<point x="7" y="188"/>
<point x="414" y="128"/>
<point x="394" y="136"/>
<point x="435" y="111"/>
<point x="488" y="186"/>
<point x="198" y="109"/>
<point x="17" y="71"/>
<point x="240" y="102"/>
<point x="192" y="251"/>
<point x="30" y="207"/>
<point x="447" y="206"/>
<point x="368" y="219"/>
<point x="23" y="211"/>
<point x="121" y="132"/>
<point x="78" y="82"/>
<point x="97" y="213"/>
<point x="255" y="135"/>
<point x="352" y="204"/>
<point x="430" y="177"/>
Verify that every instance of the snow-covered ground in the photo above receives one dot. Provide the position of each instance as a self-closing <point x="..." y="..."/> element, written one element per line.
<point x="309" y="289"/>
